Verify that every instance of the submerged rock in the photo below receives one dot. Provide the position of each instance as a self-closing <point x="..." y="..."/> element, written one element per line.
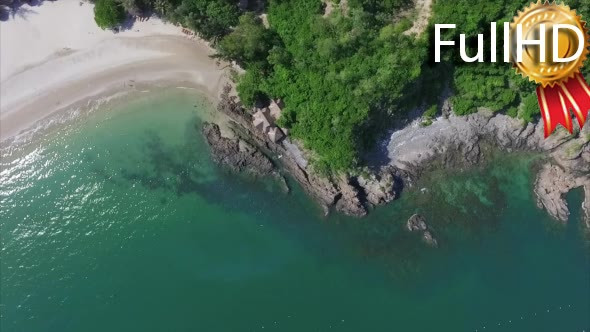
<point x="429" y="239"/>
<point x="283" y="184"/>
<point x="417" y="223"/>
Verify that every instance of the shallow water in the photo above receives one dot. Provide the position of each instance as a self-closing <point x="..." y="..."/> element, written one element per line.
<point x="120" y="222"/>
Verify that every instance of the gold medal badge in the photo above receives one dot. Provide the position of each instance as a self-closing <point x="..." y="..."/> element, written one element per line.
<point x="561" y="85"/>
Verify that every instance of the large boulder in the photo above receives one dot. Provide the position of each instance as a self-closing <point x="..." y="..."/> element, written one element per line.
<point x="379" y="188"/>
<point x="235" y="153"/>
<point x="416" y="223"/>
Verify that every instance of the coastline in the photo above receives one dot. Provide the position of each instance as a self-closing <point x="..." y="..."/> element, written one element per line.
<point x="156" y="54"/>
<point x="138" y="194"/>
<point x="453" y="142"/>
<point x="100" y="64"/>
<point x="125" y="210"/>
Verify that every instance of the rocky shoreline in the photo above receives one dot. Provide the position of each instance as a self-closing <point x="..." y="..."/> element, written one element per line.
<point x="454" y="141"/>
<point x="451" y="141"/>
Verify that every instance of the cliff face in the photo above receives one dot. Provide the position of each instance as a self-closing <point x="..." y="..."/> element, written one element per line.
<point x="411" y="150"/>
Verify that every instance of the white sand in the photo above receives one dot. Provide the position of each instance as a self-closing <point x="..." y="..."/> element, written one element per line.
<point x="54" y="55"/>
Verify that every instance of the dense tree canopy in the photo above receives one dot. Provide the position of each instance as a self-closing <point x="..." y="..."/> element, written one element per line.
<point x="487" y="85"/>
<point x="210" y="18"/>
<point x="108" y="13"/>
<point x="337" y="76"/>
<point x="249" y="43"/>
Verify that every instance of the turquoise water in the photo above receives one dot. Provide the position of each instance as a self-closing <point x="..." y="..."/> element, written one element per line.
<point x="120" y="222"/>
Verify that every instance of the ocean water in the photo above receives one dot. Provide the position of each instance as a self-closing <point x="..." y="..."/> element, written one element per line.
<point x="119" y="221"/>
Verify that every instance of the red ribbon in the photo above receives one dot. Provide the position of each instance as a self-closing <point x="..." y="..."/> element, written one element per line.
<point x="557" y="101"/>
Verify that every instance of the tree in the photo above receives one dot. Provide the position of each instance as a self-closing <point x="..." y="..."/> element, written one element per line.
<point x="250" y="41"/>
<point x="338" y="75"/>
<point x="249" y="86"/>
<point x="133" y="7"/>
<point x="211" y="19"/>
<point x="108" y="13"/>
<point x="530" y="108"/>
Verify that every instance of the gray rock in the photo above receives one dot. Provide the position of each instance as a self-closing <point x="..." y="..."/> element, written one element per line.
<point x="349" y="201"/>
<point x="341" y="194"/>
<point x="554" y="181"/>
<point x="568" y="168"/>
<point x="379" y="188"/>
<point x="450" y="141"/>
<point x="284" y="185"/>
<point x="236" y="154"/>
<point x="460" y="141"/>
<point x="552" y="184"/>
<point x="416" y="223"/>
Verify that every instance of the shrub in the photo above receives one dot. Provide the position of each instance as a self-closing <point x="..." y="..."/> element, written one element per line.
<point x="108" y="13"/>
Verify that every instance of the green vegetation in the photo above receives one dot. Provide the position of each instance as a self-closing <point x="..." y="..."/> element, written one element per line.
<point x="573" y="149"/>
<point x="345" y="76"/>
<point x="108" y="13"/>
<point x="431" y="111"/>
<point x="426" y="122"/>
<point x="339" y="76"/>
<point x="249" y="43"/>
<point x="210" y="19"/>
<point x="481" y="85"/>
<point x="428" y="115"/>
<point x="487" y="85"/>
<point x="530" y="107"/>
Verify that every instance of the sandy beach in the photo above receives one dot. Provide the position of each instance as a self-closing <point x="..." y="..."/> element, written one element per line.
<point x="49" y="63"/>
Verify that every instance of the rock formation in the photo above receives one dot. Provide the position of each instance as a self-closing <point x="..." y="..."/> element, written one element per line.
<point x="342" y="194"/>
<point x="236" y="154"/>
<point x="461" y="140"/>
<point x="412" y="149"/>
<point x="417" y="223"/>
<point x="568" y="169"/>
<point x="553" y="183"/>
